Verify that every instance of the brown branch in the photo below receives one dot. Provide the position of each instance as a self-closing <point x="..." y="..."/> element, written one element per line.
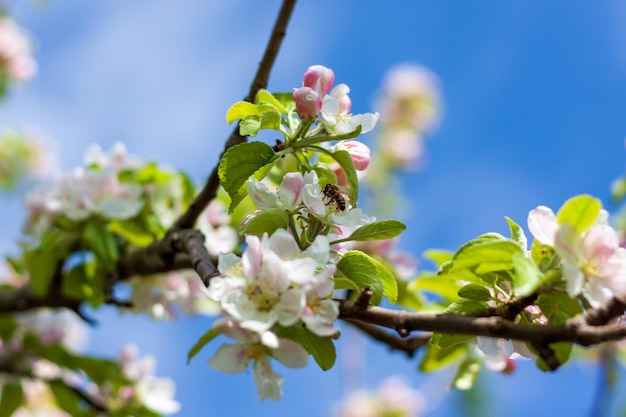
<point x="192" y="242"/>
<point x="574" y="330"/>
<point x="188" y="219"/>
<point x="602" y="315"/>
<point x="408" y="345"/>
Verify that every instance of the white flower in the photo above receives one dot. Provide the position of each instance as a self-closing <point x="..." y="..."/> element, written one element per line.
<point x="336" y="114"/>
<point x="235" y="358"/>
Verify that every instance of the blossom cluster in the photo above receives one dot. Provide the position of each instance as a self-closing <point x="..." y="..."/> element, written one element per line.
<point x="593" y="262"/>
<point x="24" y="155"/>
<point x="16" y="63"/>
<point x="409" y="106"/>
<point x="394" y="398"/>
<point x="276" y="296"/>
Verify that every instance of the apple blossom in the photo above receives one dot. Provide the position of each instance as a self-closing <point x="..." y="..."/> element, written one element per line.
<point x="499" y="354"/>
<point x="235" y="358"/>
<point x="15" y="59"/>
<point x="336" y="117"/>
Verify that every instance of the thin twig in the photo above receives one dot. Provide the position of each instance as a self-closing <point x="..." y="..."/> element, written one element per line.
<point x="188" y="219"/>
<point x="408" y="345"/>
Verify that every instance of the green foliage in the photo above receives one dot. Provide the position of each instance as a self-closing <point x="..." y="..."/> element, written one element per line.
<point x="211" y="334"/>
<point x="436" y="358"/>
<point x="102" y="243"/>
<point x="488" y="253"/>
<point x="527" y="278"/>
<point x="84" y="283"/>
<point x="359" y="268"/>
<point x="517" y="233"/>
<point x="467" y="373"/>
<point x="265" y="97"/>
<point x="475" y="292"/>
<point x="558" y="307"/>
<point x="267" y="221"/>
<point x="12" y="398"/>
<point x="382" y="229"/>
<point x="438" y="256"/>
<point x="241" y="162"/>
<point x="581" y="212"/>
<point x="321" y="348"/>
<point x="446" y="341"/>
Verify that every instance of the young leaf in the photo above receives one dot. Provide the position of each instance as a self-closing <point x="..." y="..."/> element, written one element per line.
<point x="211" y="334"/>
<point x="265" y="97"/>
<point x="66" y="397"/>
<point x="436" y="358"/>
<point x="286" y="99"/>
<point x="383" y="229"/>
<point x="240" y="110"/>
<point x="344" y="159"/>
<point x="250" y="126"/>
<point x="581" y="212"/>
<point x="78" y="284"/>
<point x="12" y="398"/>
<point x="132" y="231"/>
<point x="445" y="341"/>
<point x="240" y="163"/>
<point x="102" y="243"/>
<point x="527" y="277"/>
<point x="558" y="307"/>
<point x="267" y="221"/>
<point x="475" y="292"/>
<point x="467" y="374"/>
<point x="438" y="256"/>
<point x="42" y="265"/>
<point x="467" y="307"/>
<point x="321" y="348"/>
<point x="486" y="256"/>
<point x="517" y="234"/>
<point x="358" y="268"/>
<point x="390" y="284"/>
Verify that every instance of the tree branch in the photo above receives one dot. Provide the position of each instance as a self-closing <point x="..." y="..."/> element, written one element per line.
<point x="408" y="345"/>
<point x="575" y="330"/>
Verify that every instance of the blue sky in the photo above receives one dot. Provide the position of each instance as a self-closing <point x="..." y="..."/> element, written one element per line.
<point x="534" y="95"/>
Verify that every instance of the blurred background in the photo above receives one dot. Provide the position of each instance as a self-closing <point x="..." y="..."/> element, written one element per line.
<point x="533" y="101"/>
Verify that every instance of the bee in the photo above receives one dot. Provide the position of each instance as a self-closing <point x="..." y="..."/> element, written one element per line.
<point x="335" y="198"/>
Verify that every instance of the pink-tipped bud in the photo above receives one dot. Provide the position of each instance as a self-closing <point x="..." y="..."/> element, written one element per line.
<point x="308" y="102"/>
<point x="359" y="152"/>
<point x="319" y="78"/>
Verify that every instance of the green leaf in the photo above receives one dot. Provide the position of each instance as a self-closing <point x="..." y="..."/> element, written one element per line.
<point x="78" y="284"/>
<point x="485" y="256"/>
<point x="467" y="374"/>
<point x="241" y="162"/>
<point x="267" y="221"/>
<point x="344" y="159"/>
<point x="325" y="174"/>
<point x="342" y="283"/>
<point x="102" y="243"/>
<point x="436" y="358"/>
<point x="66" y="397"/>
<point x="558" y="307"/>
<point x="211" y="334"/>
<point x="408" y="298"/>
<point x="438" y="256"/>
<point x="383" y="229"/>
<point x="42" y="265"/>
<point x="581" y="212"/>
<point x="442" y="285"/>
<point x="12" y="398"/>
<point x="7" y="324"/>
<point x="358" y="268"/>
<point x="467" y="307"/>
<point x="321" y="348"/>
<point x="390" y="284"/>
<point x="475" y="292"/>
<point x="250" y="126"/>
<point x="286" y="99"/>
<point x="562" y="352"/>
<point x="517" y="234"/>
<point x="527" y="278"/>
<point x="264" y="96"/>
<point x="445" y="341"/>
<point x="240" y="110"/>
<point x="101" y="371"/>
<point x="132" y="231"/>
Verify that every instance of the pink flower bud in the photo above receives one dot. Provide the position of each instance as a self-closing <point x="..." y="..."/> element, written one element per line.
<point x="359" y="152"/>
<point x="319" y="78"/>
<point x="308" y="102"/>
